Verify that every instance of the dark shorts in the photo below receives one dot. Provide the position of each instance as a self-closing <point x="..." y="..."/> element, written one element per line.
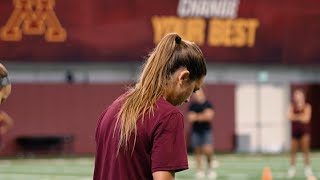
<point x="299" y="129"/>
<point x="201" y="138"/>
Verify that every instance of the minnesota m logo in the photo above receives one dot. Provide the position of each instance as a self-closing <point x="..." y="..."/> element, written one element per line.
<point x="33" y="17"/>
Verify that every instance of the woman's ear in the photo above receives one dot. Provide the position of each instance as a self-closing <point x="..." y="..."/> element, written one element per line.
<point x="184" y="75"/>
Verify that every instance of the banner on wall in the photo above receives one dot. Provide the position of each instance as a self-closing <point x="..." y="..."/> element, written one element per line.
<point x="228" y="31"/>
<point x="208" y="22"/>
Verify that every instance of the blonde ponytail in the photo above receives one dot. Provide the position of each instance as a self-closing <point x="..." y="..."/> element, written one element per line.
<point x="139" y="101"/>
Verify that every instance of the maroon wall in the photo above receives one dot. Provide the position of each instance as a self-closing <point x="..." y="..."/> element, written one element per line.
<point x="314" y="97"/>
<point x="50" y="109"/>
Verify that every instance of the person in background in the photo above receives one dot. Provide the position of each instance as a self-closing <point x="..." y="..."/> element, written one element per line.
<point x="299" y="114"/>
<point x="140" y="136"/>
<point x="200" y="115"/>
<point x="5" y="90"/>
<point x="6" y="124"/>
<point x="5" y="85"/>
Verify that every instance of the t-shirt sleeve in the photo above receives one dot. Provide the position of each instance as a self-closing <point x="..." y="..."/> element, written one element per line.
<point x="169" y="148"/>
<point x="98" y="124"/>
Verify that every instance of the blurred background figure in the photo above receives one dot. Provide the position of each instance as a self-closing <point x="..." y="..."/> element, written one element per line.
<point x="300" y="115"/>
<point x="6" y="124"/>
<point x="69" y="76"/>
<point x="201" y="114"/>
<point x="5" y="90"/>
<point x="5" y="86"/>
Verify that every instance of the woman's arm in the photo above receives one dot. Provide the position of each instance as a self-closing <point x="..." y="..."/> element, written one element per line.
<point x="192" y="116"/>
<point x="8" y="122"/>
<point x="207" y="115"/>
<point x="163" y="175"/>
<point x="292" y="116"/>
<point x="305" y="117"/>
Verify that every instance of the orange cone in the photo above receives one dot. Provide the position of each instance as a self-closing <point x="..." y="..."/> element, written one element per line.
<point x="266" y="174"/>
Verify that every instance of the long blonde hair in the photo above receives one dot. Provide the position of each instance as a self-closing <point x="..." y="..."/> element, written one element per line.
<point x="169" y="55"/>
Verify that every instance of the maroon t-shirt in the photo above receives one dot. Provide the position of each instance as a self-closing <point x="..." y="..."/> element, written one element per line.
<point x="298" y="128"/>
<point x="160" y="145"/>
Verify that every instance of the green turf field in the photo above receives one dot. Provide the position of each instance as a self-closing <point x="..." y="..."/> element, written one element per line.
<point x="232" y="167"/>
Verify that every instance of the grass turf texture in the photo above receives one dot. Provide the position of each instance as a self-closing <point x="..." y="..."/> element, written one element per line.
<point x="232" y="167"/>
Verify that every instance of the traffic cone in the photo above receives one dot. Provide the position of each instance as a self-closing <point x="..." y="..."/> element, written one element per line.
<point x="266" y="174"/>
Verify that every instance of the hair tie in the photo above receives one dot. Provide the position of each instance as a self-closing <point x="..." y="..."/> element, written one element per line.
<point x="178" y="39"/>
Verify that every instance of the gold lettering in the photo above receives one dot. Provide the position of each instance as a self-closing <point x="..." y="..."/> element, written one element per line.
<point x="166" y="24"/>
<point x="195" y="30"/>
<point x="238" y="33"/>
<point x="192" y="29"/>
<point x="216" y="33"/>
<point x="232" y="33"/>
<point x="228" y="24"/>
<point x="33" y="17"/>
<point x="12" y="31"/>
<point x="252" y="26"/>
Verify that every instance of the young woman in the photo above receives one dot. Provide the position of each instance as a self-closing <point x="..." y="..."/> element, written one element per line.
<point x="300" y="114"/>
<point x="5" y="86"/>
<point x="141" y="134"/>
<point x="201" y="114"/>
<point x="5" y="90"/>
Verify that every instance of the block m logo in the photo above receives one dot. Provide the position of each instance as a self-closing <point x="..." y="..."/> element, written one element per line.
<point x="33" y="17"/>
